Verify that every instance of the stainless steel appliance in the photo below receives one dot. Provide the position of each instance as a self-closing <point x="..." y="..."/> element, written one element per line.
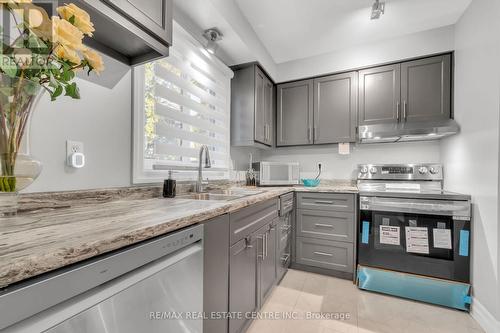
<point x="409" y="224"/>
<point x="133" y="290"/>
<point x="408" y="131"/>
<point x="276" y="173"/>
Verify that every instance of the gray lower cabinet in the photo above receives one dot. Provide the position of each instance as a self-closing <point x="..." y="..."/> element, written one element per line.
<point x="267" y="265"/>
<point x="252" y="107"/>
<point x="335" y="108"/>
<point x="325" y="232"/>
<point x="379" y="95"/>
<point x="294" y="116"/>
<point x="426" y="89"/>
<point x="252" y="259"/>
<point x="242" y="282"/>
<point x="337" y="256"/>
<point x="216" y="272"/>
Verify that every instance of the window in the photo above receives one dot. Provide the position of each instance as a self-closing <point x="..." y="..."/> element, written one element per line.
<point x="181" y="102"/>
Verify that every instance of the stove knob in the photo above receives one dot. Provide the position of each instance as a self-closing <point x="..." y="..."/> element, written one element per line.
<point x="364" y="170"/>
<point x="434" y="170"/>
<point x="373" y="170"/>
<point x="423" y="170"/>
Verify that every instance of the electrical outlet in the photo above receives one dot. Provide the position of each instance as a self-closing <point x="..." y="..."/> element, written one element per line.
<point x="73" y="147"/>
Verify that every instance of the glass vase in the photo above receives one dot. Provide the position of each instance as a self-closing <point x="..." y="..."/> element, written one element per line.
<point x="18" y="169"/>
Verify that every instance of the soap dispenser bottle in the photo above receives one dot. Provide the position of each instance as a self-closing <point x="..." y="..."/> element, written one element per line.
<point x="169" y="186"/>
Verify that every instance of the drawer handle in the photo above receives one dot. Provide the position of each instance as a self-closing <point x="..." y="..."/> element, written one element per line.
<point x="248" y="243"/>
<point x="285" y="258"/>
<point x="321" y="225"/>
<point x="324" y="202"/>
<point x="323" y="254"/>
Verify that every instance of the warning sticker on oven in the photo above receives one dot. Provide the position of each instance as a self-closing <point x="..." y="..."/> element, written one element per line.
<point x="389" y="235"/>
<point x="442" y="238"/>
<point x="417" y="240"/>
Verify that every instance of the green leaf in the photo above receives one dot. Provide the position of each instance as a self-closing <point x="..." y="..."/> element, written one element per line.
<point x="72" y="19"/>
<point x="8" y="65"/>
<point x="31" y="88"/>
<point x="67" y="75"/>
<point x="72" y="91"/>
<point x="56" y="93"/>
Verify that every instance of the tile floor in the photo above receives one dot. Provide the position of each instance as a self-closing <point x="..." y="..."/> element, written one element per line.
<point x="364" y="312"/>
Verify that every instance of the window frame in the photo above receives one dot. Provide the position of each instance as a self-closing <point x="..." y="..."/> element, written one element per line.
<point x="139" y="174"/>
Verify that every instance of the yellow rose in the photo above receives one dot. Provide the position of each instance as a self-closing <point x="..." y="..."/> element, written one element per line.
<point x="68" y="54"/>
<point x="94" y="59"/>
<point x="81" y="18"/>
<point x="66" y="34"/>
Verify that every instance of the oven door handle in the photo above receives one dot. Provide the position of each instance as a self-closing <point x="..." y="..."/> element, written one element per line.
<point x="459" y="209"/>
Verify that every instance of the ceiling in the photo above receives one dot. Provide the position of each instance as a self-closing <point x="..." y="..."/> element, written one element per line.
<point x="296" y="29"/>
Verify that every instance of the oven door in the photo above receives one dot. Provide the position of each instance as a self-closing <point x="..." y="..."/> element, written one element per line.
<point x="425" y="237"/>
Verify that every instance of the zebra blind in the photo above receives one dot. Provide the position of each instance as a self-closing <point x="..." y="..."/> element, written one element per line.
<point x="183" y="103"/>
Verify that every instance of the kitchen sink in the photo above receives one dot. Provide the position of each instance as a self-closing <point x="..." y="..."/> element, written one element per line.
<point x="225" y="195"/>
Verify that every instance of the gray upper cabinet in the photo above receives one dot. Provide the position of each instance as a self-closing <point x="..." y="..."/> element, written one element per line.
<point x="425" y="89"/>
<point x="379" y="95"/>
<point x="335" y="108"/>
<point x="294" y="113"/>
<point x="252" y="107"/>
<point x="131" y="31"/>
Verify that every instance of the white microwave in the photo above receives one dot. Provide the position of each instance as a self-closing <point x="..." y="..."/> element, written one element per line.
<point x="276" y="173"/>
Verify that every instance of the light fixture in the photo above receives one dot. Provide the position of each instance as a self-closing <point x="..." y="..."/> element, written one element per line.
<point x="378" y="8"/>
<point x="213" y="36"/>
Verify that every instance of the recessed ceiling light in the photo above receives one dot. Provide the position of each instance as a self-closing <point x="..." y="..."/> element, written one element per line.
<point x="378" y="8"/>
<point x="213" y="36"/>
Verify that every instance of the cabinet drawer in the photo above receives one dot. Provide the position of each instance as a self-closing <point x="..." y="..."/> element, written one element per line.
<point x="286" y="204"/>
<point x="325" y="254"/>
<point x="247" y="220"/>
<point x="338" y="226"/>
<point x="326" y="201"/>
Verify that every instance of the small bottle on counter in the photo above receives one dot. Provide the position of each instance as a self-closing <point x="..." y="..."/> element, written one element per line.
<point x="169" y="186"/>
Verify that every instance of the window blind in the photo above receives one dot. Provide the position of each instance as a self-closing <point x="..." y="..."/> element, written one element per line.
<point x="183" y="103"/>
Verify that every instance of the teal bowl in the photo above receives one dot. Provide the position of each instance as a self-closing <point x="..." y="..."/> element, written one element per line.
<point x="311" y="182"/>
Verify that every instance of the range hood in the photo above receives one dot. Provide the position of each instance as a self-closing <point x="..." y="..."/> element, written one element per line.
<point x="405" y="132"/>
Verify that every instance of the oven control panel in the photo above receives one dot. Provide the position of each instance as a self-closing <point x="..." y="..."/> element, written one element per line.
<point x="400" y="171"/>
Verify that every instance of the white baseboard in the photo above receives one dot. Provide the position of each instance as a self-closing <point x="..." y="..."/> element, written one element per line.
<point x="487" y="321"/>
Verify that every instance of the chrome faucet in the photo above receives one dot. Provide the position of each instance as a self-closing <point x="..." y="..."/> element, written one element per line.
<point x="208" y="164"/>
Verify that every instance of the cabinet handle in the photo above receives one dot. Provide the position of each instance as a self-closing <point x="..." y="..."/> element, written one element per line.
<point x="321" y="225"/>
<point x="248" y="242"/>
<point x="398" y="111"/>
<point x="309" y="134"/>
<point x="267" y="243"/>
<point x="285" y="257"/>
<point x="323" y="254"/>
<point x="263" y="241"/>
<point x="324" y="202"/>
<point x="315" y="132"/>
<point x="405" y="105"/>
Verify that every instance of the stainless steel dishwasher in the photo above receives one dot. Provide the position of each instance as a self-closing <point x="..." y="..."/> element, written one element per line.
<point x="153" y="287"/>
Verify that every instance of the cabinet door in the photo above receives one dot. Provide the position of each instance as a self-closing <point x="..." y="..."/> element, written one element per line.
<point x="268" y="262"/>
<point x="335" y="108"/>
<point x="216" y="272"/>
<point x="425" y="89"/>
<point x="260" y="109"/>
<point x="242" y="282"/>
<point x="380" y="95"/>
<point x="268" y="111"/>
<point x="153" y="15"/>
<point x="295" y="113"/>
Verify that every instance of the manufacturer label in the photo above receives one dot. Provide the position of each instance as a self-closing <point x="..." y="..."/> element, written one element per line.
<point x="389" y="235"/>
<point x="417" y="240"/>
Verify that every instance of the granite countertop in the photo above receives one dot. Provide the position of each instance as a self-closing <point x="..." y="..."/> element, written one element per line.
<point x="41" y="240"/>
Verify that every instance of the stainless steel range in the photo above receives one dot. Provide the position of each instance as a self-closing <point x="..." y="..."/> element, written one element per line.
<point x="408" y="224"/>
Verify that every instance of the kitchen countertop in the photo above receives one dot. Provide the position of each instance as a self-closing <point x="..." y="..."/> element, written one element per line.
<point x="40" y="241"/>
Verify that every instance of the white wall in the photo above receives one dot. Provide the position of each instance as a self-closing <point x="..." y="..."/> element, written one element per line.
<point x="335" y="166"/>
<point x="101" y="119"/>
<point x="471" y="158"/>
<point x="413" y="45"/>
